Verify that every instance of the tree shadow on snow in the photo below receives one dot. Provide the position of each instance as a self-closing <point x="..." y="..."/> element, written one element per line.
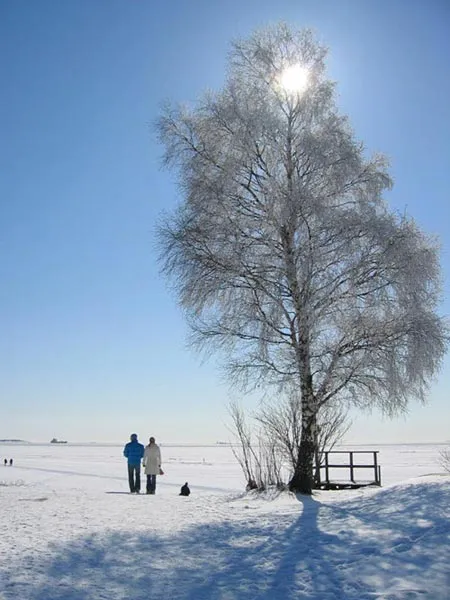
<point x="289" y="558"/>
<point x="306" y="566"/>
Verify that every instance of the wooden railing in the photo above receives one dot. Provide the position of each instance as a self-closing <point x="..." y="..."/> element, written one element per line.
<point x="351" y="466"/>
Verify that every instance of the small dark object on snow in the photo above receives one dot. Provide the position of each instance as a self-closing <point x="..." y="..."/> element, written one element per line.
<point x="185" y="491"/>
<point x="5" y="462"/>
<point x="10" y="462"/>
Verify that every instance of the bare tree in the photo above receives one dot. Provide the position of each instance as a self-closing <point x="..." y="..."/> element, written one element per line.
<point x="244" y="453"/>
<point x="282" y="421"/>
<point x="283" y="252"/>
<point x="260" y="460"/>
<point x="444" y="459"/>
<point x="333" y="424"/>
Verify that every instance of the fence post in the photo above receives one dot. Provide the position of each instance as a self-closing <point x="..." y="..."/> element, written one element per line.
<point x="375" y="468"/>
<point x="352" y="478"/>
<point x="327" y="478"/>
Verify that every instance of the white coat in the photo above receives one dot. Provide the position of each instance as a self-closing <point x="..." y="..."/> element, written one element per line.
<point x="152" y="459"/>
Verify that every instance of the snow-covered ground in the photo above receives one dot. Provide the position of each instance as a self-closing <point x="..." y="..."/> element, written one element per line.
<point x="70" y="531"/>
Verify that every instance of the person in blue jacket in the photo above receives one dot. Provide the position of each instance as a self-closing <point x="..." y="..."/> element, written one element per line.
<point x="133" y="452"/>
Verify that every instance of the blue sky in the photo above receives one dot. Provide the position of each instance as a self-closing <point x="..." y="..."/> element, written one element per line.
<point x="92" y="344"/>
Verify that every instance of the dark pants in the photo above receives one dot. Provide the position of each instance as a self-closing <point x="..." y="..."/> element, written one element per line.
<point x="151" y="484"/>
<point x="134" y="478"/>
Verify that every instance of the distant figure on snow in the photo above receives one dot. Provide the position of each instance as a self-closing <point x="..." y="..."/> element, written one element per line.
<point x="133" y="452"/>
<point x="5" y="462"/>
<point x="152" y="464"/>
<point x="10" y="462"/>
<point x="185" y="491"/>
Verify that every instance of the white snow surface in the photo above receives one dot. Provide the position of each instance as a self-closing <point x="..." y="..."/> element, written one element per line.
<point x="69" y="530"/>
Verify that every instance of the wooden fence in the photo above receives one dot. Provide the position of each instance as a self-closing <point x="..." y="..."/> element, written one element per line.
<point x="327" y="480"/>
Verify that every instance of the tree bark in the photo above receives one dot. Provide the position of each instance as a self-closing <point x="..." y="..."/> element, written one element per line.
<point x="303" y="479"/>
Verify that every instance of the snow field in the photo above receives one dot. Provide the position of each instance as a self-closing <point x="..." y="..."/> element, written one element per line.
<point x="70" y="531"/>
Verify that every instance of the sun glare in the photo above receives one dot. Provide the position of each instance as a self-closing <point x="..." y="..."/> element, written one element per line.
<point x="294" y="79"/>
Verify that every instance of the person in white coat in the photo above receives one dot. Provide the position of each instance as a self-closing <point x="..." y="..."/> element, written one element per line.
<point x="152" y="464"/>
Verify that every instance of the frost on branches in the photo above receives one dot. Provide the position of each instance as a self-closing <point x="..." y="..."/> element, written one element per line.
<point x="283" y="252"/>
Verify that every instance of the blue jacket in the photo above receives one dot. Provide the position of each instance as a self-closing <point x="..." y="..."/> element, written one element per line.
<point x="133" y="451"/>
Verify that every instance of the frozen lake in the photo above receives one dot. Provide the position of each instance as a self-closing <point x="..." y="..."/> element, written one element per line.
<point x="209" y="467"/>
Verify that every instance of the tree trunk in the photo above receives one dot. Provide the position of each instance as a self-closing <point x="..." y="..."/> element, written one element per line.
<point x="303" y="481"/>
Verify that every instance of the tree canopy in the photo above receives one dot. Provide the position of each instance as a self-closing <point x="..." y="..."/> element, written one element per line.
<point x="283" y="251"/>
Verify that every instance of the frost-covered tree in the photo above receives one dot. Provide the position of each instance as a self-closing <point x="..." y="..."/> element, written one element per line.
<point x="283" y="252"/>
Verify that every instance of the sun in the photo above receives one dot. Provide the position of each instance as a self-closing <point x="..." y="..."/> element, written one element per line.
<point x="294" y="79"/>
